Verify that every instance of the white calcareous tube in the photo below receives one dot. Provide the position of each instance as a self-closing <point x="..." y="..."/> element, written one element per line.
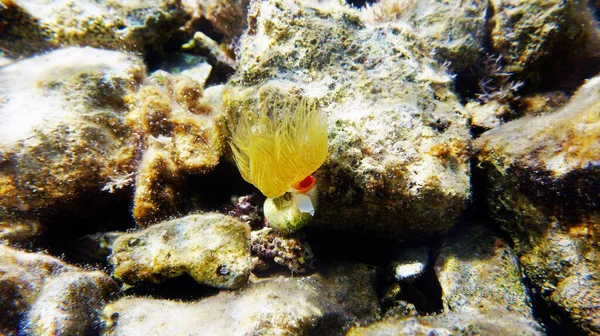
<point x="305" y="204"/>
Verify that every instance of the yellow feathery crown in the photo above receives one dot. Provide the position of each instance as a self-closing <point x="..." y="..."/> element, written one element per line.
<point x="282" y="145"/>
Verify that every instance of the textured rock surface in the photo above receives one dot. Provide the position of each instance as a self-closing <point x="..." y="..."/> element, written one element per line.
<point x="463" y="323"/>
<point x="398" y="137"/>
<point x="542" y="187"/>
<point x="227" y="17"/>
<point x="479" y="272"/>
<point x="94" y="248"/>
<point x="323" y="303"/>
<point x="213" y="249"/>
<point x="182" y="136"/>
<point x="454" y="31"/>
<point x="36" y="25"/>
<point x="62" y="132"/>
<point x="533" y="36"/>
<point x="290" y="251"/>
<point x="41" y="295"/>
<point x="488" y="115"/>
<point x="482" y="292"/>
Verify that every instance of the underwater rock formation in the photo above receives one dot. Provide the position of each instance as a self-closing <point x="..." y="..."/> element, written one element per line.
<point x="532" y="37"/>
<point x="479" y="272"/>
<point x="482" y="291"/>
<point x="41" y="295"/>
<point x="32" y="26"/>
<point x="62" y="132"/>
<point x="181" y="134"/>
<point x="461" y="323"/>
<point x="324" y="303"/>
<point x="398" y="137"/>
<point x="227" y="17"/>
<point x="454" y="31"/>
<point x="213" y="249"/>
<point x="542" y="181"/>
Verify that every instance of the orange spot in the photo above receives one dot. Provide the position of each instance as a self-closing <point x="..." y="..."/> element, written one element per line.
<point x="305" y="185"/>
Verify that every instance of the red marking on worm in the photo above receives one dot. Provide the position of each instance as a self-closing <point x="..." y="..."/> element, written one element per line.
<point x="305" y="185"/>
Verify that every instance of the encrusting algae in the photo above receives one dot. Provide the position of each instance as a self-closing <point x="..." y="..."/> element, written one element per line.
<point x="278" y="147"/>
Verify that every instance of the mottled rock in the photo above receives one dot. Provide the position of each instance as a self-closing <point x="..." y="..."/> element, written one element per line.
<point x="213" y="249"/>
<point x="454" y="31"/>
<point x="18" y="230"/>
<point x="538" y="36"/>
<point x="322" y="304"/>
<point x="32" y="26"/>
<point x="181" y="134"/>
<point x="227" y="17"/>
<point x="542" y="188"/>
<point x="487" y="115"/>
<point x="479" y="272"/>
<point x="462" y="323"/>
<point x="541" y="103"/>
<point x="291" y="251"/>
<point x="62" y="130"/>
<point x="398" y="137"/>
<point x="41" y="295"/>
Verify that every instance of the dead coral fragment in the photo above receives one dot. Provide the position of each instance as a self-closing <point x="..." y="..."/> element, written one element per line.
<point x="281" y="145"/>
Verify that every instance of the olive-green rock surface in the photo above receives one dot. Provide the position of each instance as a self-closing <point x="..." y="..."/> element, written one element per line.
<point x="212" y="248"/>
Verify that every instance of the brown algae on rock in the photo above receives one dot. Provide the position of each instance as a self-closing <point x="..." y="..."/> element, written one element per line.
<point x="35" y="25"/>
<point x="182" y="135"/>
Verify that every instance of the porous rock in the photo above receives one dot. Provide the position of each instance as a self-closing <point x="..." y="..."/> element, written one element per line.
<point x="454" y="31"/>
<point x="532" y="37"/>
<point x="32" y="26"/>
<point x="62" y="132"/>
<point x="325" y="303"/>
<point x="181" y="134"/>
<point x="398" y="137"/>
<point x="478" y="271"/>
<point x="461" y="323"/>
<point x="41" y="295"/>
<point x="291" y="251"/>
<point x="214" y="249"/>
